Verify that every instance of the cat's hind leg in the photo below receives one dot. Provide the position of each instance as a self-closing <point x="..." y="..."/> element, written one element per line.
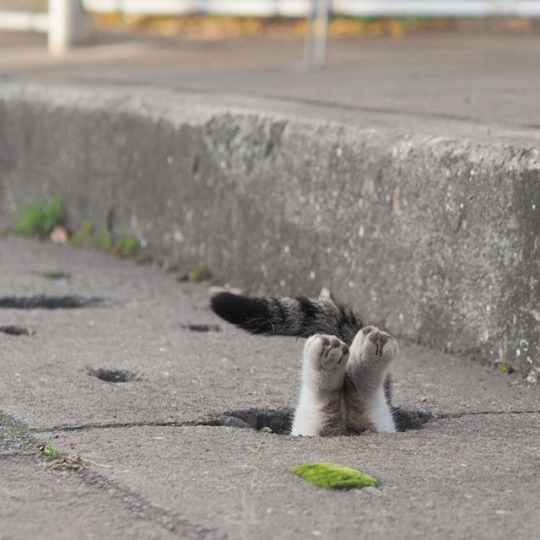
<point x="368" y="405"/>
<point x="320" y="407"/>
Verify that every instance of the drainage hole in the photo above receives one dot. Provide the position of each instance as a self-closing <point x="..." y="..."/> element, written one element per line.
<point x="50" y="302"/>
<point x="411" y="419"/>
<point x="201" y="327"/>
<point x="16" y="331"/>
<point x="113" y="375"/>
<point x="280" y="421"/>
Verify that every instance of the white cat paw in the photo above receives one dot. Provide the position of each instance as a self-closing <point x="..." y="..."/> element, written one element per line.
<point x="376" y="345"/>
<point x="326" y="352"/>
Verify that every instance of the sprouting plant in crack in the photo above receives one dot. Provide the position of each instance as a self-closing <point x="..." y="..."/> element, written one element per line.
<point x="48" y="450"/>
<point x="41" y="218"/>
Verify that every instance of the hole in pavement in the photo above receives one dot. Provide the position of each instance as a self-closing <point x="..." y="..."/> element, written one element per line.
<point x="411" y="419"/>
<point x="202" y="327"/>
<point x="12" y="330"/>
<point x="113" y="375"/>
<point x="50" y="302"/>
<point x="280" y="421"/>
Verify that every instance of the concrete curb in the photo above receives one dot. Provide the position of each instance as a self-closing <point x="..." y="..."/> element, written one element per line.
<point x="437" y="237"/>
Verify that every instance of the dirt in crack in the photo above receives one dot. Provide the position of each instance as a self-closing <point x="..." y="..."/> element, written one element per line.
<point x="113" y="375"/>
<point x="12" y="330"/>
<point x="280" y="420"/>
<point x="50" y="302"/>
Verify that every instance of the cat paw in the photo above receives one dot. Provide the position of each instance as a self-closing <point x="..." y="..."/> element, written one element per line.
<point x="326" y="352"/>
<point x="375" y="345"/>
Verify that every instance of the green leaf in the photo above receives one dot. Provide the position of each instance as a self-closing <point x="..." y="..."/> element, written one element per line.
<point x="334" y="476"/>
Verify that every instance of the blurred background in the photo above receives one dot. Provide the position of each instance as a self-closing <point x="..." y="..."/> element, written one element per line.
<point x="89" y="22"/>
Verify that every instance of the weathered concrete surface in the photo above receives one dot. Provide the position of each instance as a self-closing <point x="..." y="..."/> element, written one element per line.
<point x="404" y="176"/>
<point x="436" y="236"/>
<point x="473" y="471"/>
<point x="38" y="503"/>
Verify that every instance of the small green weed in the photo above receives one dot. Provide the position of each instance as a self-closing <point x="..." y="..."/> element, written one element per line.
<point x="105" y="240"/>
<point x="41" y="218"/>
<point x="121" y="244"/>
<point x="14" y="433"/>
<point x="507" y="369"/>
<point x="55" y="275"/>
<point x="50" y="451"/>
<point x="200" y="273"/>
<point x="125" y="245"/>
<point x="85" y="236"/>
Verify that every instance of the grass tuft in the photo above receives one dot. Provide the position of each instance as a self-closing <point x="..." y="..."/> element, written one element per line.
<point x="41" y="218"/>
<point x="201" y="273"/>
<point x="50" y="451"/>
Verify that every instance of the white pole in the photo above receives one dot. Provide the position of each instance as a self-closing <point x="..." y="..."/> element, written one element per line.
<point x="317" y="36"/>
<point x="68" y="25"/>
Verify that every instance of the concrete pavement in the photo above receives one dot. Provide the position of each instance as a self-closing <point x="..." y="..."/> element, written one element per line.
<point x="472" y="471"/>
<point x="404" y="177"/>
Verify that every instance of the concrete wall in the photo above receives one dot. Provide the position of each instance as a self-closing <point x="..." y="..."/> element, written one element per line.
<point x="438" y="238"/>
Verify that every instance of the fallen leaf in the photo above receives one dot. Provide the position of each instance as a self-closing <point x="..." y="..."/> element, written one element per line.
<point x="334" y="476"/>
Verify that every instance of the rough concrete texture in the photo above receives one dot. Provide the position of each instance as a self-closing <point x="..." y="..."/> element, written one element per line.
<point x="404" y="176"/>
<point x="436" y="237"/>
<point x="470" y="472"/>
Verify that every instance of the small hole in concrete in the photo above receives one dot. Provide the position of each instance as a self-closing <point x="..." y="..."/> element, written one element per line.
<point x="16" y="331"/>
<point x="196" y="166"/>
<point x="411" y="419"/>
<point x="113" y="375"/>
<point x="280" y="421"/>
<point x="201" y="327"/>
<point x="50" y="302"/>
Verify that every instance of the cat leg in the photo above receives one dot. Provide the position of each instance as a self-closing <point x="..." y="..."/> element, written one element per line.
<point x="320" y="407"/>
<point x="367" y="403"/>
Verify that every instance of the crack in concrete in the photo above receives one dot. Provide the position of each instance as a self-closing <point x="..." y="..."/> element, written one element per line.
<point x="139" y="507"/>
<point x="144" y="509"/>
<point x="461" y="414"/>
<point x="216" y="422"/>
<point x="112" y="425"/>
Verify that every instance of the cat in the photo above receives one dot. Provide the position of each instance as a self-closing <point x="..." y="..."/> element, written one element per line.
<point x="345" y="382"/>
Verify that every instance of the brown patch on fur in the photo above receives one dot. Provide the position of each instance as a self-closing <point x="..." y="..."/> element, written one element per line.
<point x="335" y="414"/>
<point x="356" y="421"/>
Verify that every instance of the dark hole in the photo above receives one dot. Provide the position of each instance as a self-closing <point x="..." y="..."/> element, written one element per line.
<point x="411" y="419"/>
<point x="16" y="331"/>
<point x="202" y="327"/>
<point x="196" y="165"/>
<point x="50" y="302"/>
<point x="113" y="375"/>
<point x="280" y="421"/>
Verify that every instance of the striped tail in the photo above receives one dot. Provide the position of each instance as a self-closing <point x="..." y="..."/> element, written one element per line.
<point x="301" y="317"/>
